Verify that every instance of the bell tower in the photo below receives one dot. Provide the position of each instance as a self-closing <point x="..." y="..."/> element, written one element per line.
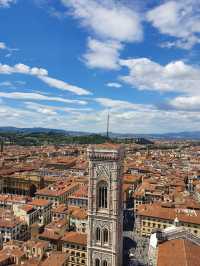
<point x="105" y="209"/>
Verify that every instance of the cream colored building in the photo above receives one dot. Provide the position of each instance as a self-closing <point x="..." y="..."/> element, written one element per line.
<point x="155" y="216"/>
<point x="26" y="213"/>
<point x="75" y="245"/>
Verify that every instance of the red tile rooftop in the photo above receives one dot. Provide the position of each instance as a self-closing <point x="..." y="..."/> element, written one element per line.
<point x="57" y="189"/>
<point x="36" y="243"/>
<point x="82" y="192"/>
<point x="50" y="235"/>
<point x="56" y="259"/>
<point x="80" y="214"/>
<point x="161" y="212"/>
<point x="39" y="202"/>
<point x="60" y="209"/>
<point x="106" y="146"/>
<point x="75" y="237"/>
<point x="9" y="222"/>
<point x="178" y="252"/>
<point x="27" y="208"/>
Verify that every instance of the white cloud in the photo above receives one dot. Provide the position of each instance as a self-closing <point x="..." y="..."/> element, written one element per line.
<point x="37" y="97"/>
<point x="114" y="84"/>
<point x="22" y="69"/>
<point x="42" y="74"/>
<point x="3" y="45"/>
<point x="179" y="19"/>
<point x="107" y="19"/>
<point x="6" y="84"/>
<point x="112" y="24"/>
<point x="14" y="84"/>
<point x="102" y="54"/>
<point x="141" y="119"/>
<point x="6" y="3"/>
<point x="120" y="105"/>
<point x="186" y="103"/>
<point x="59" y="84"/>
<point x="40" y="108"/>
<point x="53" y="110"/>
<point x="177" y="76"/>
<point x="9" y="50"/>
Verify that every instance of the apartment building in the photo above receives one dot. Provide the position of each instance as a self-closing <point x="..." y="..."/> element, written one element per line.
<point x="156" y="216"/>
<point x="79" y="197"/>
<point x="11" y="227"/>
<point x="57" y="193"/>
<point x="45" y="208"/>
<point x="78" y="219"/>
<point x="75" y="244"/>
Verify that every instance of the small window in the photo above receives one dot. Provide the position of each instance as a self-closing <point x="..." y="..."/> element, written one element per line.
<point x="97" y="262"/>
<point x="105" y="236"/>
<point x="105" y="263"/>
<point x="98" y="234"/>
<point x="103" y="195"/>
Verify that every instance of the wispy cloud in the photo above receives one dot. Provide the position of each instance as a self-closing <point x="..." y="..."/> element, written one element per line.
<point x="9" y="50"/>
<point x="114" y="84"/>
<point x="37" y="97"/>
<point x="6" y="3"/>
<point x="42" y="74"/>
<point x="179" y="19"/>
<point x="53" y="110"/>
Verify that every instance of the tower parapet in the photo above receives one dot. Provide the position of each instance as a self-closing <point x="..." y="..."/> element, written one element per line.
<point x="105" y="151"/>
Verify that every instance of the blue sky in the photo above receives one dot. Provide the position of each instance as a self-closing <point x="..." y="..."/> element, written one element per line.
<point x="67" y="63"/>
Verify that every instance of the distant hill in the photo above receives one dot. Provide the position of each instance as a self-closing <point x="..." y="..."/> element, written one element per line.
<point x="41" y="130"/>
<point x="175" y="136"/>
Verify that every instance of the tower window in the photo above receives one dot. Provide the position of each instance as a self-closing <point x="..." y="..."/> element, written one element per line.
<point x="105" y="236"/>
<point x="105" y="263"/>
<point x="98" y="234"/>
<point x="97" y="262"/>
<point x="103" y="195"/>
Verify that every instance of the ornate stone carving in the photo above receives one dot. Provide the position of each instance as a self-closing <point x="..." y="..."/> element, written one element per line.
<point x="102" y="171"/>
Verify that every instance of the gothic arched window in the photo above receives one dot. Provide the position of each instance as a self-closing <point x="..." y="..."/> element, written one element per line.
<point x="103" y="195"/>
<point x="98" y="234"/>
<point x="105" y="263"/>
<point x="105" y="236"/>
<point x="97" y="262"/>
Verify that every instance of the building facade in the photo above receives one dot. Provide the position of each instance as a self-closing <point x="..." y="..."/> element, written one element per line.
<point x="151" y="217"/>
<point x="105" y="210"/>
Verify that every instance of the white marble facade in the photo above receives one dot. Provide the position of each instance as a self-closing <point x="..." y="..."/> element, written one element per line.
<point x="105" y="209"/>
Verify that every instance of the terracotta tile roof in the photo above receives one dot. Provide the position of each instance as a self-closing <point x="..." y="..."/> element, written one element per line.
<point x="27" y="208"/>
<point x="131" y="178"/>
<point x="57" y="189"/>
<point x="158" y="211"/>
<point x="60" y="209"/>
<point x="50" y="235"/>
<point x="56" y="259"/>
<point x="82" y="192"/>
<point x="107" y="146"/>
<point x="178" y="252"/>
<point x="40" y="202"/>
<point x="80" y="214"/>
<point x="36" y="243"/>
<point x="75" y="237"/>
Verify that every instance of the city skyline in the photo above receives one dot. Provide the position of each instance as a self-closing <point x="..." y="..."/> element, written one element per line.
<point x="66" y="64"/>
